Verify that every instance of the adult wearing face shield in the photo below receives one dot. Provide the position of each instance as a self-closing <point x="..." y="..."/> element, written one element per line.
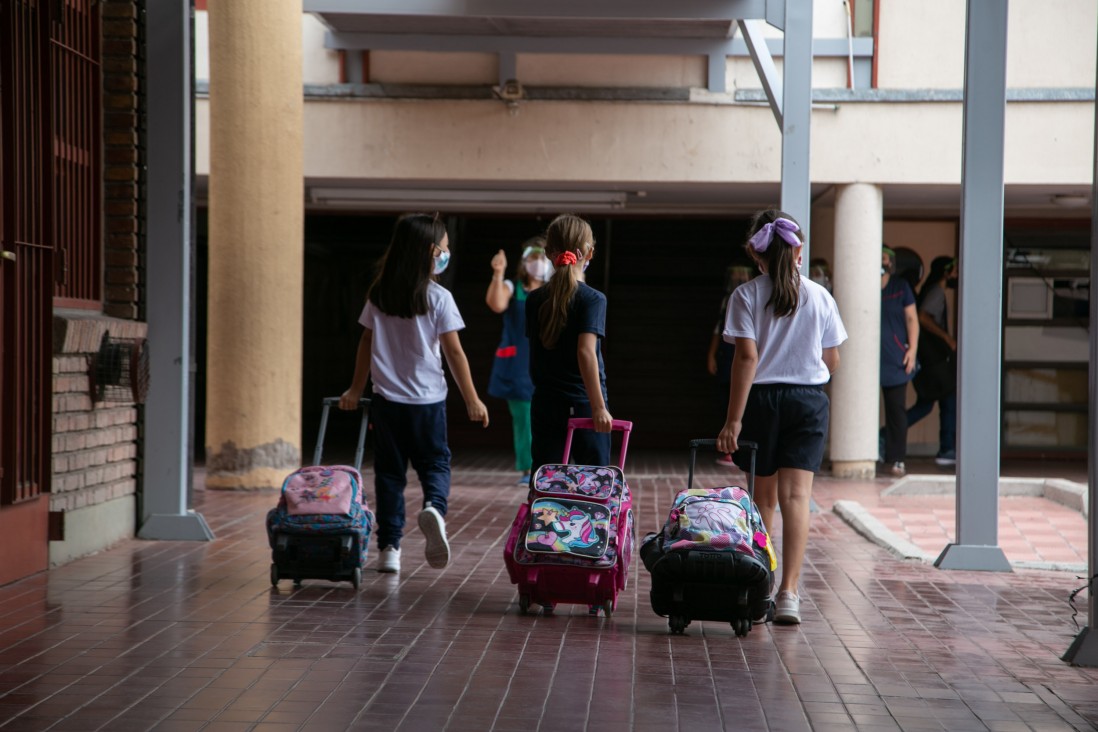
<point x="899" y="345"/>
<point x="937" y="377"/>
<point x="510" y="377"/>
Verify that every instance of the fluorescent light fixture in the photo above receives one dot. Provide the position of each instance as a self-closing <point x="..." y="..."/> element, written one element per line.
<point x="1071" y="200"/>
<point x="456" y="199"/>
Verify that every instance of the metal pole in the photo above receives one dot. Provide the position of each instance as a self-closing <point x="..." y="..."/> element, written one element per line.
<point x="1084" y="650"/>
<point x="168" y="419"/>
<point x="980" y="350"/>
<point x="796" y="194"/>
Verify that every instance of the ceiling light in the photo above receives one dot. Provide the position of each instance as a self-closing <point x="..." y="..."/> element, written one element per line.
<point x="1071" y="200"/>
<point x="467" y="200"/>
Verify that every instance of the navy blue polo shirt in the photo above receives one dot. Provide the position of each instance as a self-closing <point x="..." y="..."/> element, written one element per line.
<point x="555" y="371"/>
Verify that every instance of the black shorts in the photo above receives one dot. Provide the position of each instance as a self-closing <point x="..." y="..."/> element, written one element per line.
<point x="789" y="423"/>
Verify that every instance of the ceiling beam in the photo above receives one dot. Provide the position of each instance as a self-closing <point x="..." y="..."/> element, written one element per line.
<point x="730" y="10"/>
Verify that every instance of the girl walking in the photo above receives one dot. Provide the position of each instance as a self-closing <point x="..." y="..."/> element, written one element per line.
<point x="565" y="322"/>
<point x="408" y="317"/>
<point x="787" y="331"/>
<point x="510" y="377"/>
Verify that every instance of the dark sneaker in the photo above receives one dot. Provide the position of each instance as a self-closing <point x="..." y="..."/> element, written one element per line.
<point x="898" y="470"/>
<point x="433" y="527"/>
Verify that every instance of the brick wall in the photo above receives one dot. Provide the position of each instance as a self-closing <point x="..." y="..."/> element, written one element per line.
<point x="123" y="157"/>
<point x="94" y="448"/>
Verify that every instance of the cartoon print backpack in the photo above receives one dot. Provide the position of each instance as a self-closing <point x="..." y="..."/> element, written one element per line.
<point x="717" y="519"/>
<point x="574" y="514"/>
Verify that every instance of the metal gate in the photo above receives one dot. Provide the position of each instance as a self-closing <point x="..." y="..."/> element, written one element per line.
<point x="26" y="240"/>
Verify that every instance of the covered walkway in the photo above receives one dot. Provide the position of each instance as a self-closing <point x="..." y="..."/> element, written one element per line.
<point x="191" y="636"/>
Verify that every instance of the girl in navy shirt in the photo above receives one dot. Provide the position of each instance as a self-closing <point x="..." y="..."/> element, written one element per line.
<point x="565" y="322"/>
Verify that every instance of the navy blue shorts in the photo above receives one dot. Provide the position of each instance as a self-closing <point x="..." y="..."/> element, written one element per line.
<point x="789" y="422"/>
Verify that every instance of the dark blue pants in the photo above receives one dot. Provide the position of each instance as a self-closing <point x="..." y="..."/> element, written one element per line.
<point x="403" y="433"/>
<point x="549" y="426"/>
<point x="947" y="420"/>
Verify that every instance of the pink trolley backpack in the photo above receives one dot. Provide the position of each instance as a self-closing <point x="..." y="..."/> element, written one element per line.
<point x="572" y="539"/>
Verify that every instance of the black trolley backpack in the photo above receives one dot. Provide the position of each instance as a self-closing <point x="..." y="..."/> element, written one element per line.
<point x="712" y="559"/>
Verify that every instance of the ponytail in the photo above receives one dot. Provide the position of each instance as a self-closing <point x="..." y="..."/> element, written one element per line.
<point x="565" y="236"/>
<point x="775" y="238"/>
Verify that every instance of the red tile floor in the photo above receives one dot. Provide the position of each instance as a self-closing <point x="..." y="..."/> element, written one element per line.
<point x="191" y="636"/>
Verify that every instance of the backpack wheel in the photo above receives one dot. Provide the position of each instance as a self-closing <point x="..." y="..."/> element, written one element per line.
<point x="742" y="626"/>
<point x="274" y="574"/>
<point x="524" y="604"/>
<point x="356" y="577"/>
<point x="677" y="624"/>
<point x="608" y="608"/>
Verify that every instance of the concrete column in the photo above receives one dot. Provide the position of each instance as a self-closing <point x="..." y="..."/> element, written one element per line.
<point x="253" y="395"/>
<point x="855" y="390"/>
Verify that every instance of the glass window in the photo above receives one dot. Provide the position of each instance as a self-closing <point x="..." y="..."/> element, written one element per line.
<point x="863" y="17"/>
<point x="1045" y="429"/>
<point x="1046" y="386"/>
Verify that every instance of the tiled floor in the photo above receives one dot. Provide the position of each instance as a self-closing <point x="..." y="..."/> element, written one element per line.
<point x="182" y="636"/>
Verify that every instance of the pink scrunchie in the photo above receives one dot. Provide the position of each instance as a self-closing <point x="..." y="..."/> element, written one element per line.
<point x="783" y="228"/>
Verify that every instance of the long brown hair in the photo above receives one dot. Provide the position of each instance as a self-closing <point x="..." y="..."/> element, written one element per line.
<point x="566" y="233"/>
<point x="781" y="262"/>
<point x="404" y="272"/>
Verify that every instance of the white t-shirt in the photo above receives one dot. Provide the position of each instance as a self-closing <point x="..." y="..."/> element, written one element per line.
<point x="790" y="348"/>
<point x="406" y="362"/>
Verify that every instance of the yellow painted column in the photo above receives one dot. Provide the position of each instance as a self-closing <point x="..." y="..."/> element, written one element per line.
<point x="256" y="219"/>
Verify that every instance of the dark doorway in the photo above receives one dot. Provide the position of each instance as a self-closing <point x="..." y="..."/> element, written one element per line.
<point x="664" y="280"/>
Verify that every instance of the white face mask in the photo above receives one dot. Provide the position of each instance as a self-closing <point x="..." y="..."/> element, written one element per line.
<point x="540" y="269"/>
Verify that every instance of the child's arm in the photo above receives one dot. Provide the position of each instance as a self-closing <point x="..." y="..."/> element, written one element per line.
<point x="711" y="356"/>
<point x="499" y="295"/>
<point x="459" y="367"/>
<point x="744" y="364"/>
<point x="831" y="359"/>
<point x="349" y="399"/>
<point x="589" y="370"/>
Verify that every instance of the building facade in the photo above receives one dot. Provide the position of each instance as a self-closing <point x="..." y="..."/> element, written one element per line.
<point x="665" y="135"/>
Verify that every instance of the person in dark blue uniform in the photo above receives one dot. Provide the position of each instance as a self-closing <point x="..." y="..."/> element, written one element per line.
<point x="899" y="345"/>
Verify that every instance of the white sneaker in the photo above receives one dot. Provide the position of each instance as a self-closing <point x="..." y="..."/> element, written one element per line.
<point x="433" y="527"/>
<point x="787" y="609"/>
<point x="388" y="560"/>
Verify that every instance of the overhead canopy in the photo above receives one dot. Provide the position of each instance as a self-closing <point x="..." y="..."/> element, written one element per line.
<point x="563" y="18"/>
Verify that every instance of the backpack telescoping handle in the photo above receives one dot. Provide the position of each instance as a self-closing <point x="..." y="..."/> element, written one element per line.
<point x="364" y="404"/>
<point x="586" y="423"/>
<point x="744" y="444"/>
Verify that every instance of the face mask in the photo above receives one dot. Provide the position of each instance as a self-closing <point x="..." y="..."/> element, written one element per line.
<point x="441" y="261"/>
<point x="586" y="264"/>
<point x="540" y="269"/>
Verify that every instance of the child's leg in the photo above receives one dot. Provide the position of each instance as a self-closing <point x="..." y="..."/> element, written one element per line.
<point x="390" y="471"/>
<point x="548" y="422"/>
<point x="430" y="453"/>
<point x="794" y="494"/>
<point x="520" y="430"/>
<point x="766" y="498"/>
